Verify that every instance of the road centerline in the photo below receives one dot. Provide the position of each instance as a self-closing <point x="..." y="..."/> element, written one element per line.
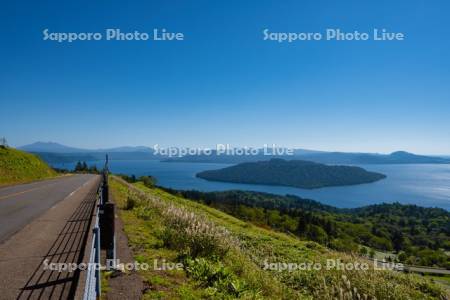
<point x="27" y="191"/>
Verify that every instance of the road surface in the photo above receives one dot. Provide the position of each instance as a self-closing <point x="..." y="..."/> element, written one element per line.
<point x="46" y="221"/>
<point x="20" y="204"/>
<point x="409" y="268"/>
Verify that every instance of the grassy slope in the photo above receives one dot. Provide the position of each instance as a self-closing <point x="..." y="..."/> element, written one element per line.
<point x="145" y="229"/>
<point x="19" y="167"/>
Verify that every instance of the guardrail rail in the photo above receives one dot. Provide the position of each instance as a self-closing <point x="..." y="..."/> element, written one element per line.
<point x="103" y="237"/>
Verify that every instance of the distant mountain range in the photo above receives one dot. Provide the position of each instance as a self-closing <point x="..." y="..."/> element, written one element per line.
<point x="58" y="153"/>
<point x="54" y="153"/>
<point x="330" y="158"/>
<point x="51" y="147"/>
<point x="296" y="173"/>
<point x="398" y="157"/>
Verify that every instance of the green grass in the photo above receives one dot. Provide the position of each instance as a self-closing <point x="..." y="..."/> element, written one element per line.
<point x="239" y="273"/>
<point x="20" y="167"/>
<point x="443" y="279"/>
<point x="104" y="278"/>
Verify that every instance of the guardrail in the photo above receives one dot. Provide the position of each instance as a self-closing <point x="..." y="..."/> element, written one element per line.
<point x="93" y="287"/>
<point x="103" y="237"/>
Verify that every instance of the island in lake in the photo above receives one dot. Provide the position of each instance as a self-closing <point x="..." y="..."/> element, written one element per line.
<point x="295" y="173"/>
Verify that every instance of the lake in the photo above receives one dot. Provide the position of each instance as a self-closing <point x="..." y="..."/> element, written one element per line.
<point x="424" y="184"/>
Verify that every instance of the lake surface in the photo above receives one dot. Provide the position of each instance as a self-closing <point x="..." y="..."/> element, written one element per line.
<point x="424" y="184"/>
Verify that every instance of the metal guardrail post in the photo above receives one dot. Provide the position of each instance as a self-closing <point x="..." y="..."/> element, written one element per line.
<point x="108" y="229"/>
<point x="105" y="191"/>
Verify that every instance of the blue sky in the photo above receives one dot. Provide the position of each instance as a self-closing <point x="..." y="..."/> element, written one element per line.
<point x="224" y="83"/>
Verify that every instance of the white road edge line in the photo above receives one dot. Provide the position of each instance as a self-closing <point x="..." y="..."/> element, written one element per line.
<point x="73" y="192"/>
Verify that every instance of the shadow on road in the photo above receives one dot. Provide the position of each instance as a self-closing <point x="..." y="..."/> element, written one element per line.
<point x="68" y="248"/>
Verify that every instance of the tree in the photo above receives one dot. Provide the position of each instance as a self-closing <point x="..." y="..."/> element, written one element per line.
<point x="402" y="256"/>
<point x="78" y="167"/>
<point x="93" y="169"/>
<point x="397" y="240"/>
<point x="301" y="226"/>
<point x="317" y="234"/>
<point x="273" y="218"/>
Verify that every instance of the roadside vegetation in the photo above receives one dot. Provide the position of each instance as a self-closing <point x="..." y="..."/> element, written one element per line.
<point x="148" y="181"/>
<point x="223" y="257"/>
<point x="415" y="235"/>
<point x="20" y="167"/>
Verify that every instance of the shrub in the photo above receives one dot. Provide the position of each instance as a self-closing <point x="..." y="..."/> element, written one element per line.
<point x="130" y="203"/>
<point x="195" y="236"/>
<point x="363" y="251"/>
<point x="216" y="276"/>
<point x="129" y="179"/>
<point x="148" y="181"/>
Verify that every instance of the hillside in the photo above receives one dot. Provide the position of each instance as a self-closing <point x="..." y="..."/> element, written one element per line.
<point x="296" y="173"/>
<point x="421" y="235"/>
<point x="18" y="167"/>
<point x="222" y="257"/>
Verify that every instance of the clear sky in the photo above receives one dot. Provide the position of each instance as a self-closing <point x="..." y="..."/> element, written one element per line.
<point x="224" y="83"/>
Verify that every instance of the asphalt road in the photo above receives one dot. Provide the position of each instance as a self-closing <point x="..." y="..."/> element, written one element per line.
<point x="408" y="268"/>
<point x="20" y="204"/>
